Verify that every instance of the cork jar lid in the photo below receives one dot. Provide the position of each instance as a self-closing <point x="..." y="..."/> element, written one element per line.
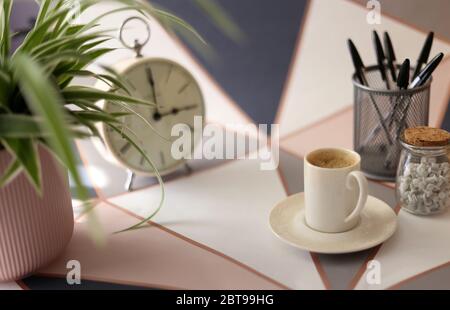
<point x="426" y="136"/>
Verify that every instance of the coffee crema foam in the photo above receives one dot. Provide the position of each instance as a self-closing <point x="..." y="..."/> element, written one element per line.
<point x="331" y="159"/>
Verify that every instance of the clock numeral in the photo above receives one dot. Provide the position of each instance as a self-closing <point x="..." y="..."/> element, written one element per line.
<point x="169" y="74"/>
<point x="183" y="88"/>
<point x="125" y="148"/>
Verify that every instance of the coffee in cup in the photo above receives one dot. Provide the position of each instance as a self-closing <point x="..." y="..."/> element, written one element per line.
<point x="331" y="158"/>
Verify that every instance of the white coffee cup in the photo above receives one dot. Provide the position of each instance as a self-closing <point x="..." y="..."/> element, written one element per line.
<point x="335" y="190"/>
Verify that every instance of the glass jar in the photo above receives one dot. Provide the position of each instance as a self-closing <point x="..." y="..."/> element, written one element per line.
<point x="423" y="179"/>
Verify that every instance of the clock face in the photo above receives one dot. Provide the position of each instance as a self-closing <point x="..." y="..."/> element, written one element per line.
<point x="178" y="99"/>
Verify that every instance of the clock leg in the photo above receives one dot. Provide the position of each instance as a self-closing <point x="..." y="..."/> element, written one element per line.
<point x="129" y="182"/>
<point x="188" y="169"/>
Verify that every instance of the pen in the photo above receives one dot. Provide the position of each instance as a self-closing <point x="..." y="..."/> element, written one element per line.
<point x="424" y="54"/>
<point x="390" y="54"/>
<point x="357" y="63"/>
<point x="359" y="71"/>
<point x="402" y="83"/>
<point x="380" y="58"/>
<point x="425" y="74"/>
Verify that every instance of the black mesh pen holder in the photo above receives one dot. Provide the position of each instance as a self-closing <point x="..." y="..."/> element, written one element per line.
<point x="380" y="116"/>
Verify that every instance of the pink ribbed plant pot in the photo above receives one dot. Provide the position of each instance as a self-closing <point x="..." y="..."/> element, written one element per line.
<point x="34" y="229"/>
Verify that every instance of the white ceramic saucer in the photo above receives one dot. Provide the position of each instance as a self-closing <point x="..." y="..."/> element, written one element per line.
<point x="287" y="220"/>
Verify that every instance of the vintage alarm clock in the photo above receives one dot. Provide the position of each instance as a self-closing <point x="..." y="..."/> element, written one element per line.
<point x="178" y="99"/>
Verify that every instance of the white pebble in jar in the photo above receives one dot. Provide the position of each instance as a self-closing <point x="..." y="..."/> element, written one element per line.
<point x="425" y="188"/>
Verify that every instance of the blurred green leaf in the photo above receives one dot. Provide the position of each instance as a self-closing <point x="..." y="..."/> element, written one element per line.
<point x="5" y="32"/>
<point x="170" y="19"/>
<point x="14" y="168"/>
<point x="87" y="93"/>
<point x="158" y="177"/>
<point x="221" y="19"/>
<point x="25" y="152"/>
<point x="20" y="126"/>
<point x="44" y="9"/>
<point x="109" y="80"/>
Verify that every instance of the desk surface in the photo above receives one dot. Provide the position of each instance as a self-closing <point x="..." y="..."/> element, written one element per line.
<point x="212" y="232"/>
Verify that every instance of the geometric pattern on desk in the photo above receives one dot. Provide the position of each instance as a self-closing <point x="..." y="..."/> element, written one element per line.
<point x="419" y="245"/>
<point x="226" y="208"/>
<point x="434" y="279"/>
<point x="108" y="179"/>
<point x="338" y="270"/>
<point x="60" y="283"/>
<point x="254" y="71"/>
<point x="149" y="257"/>
<point x="319" y="83"/>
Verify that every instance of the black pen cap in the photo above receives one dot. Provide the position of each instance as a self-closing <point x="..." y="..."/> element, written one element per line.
<point x="403" y="75"/>
<point x="389" y="48"/>
<point x="356" y="58"/>
<point x="378" y="47"/>
<point x="425" y="53"/>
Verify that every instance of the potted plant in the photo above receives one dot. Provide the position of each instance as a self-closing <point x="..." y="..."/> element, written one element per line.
<point x="41" y="112"/>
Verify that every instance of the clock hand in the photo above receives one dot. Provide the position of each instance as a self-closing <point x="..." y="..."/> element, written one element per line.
<point x="186" y="108"/>
<point x="151" y="81"/>
<point x="157" y="116"/>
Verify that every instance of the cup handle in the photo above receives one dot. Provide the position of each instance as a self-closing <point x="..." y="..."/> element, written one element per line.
<point x="363" y="193"/>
